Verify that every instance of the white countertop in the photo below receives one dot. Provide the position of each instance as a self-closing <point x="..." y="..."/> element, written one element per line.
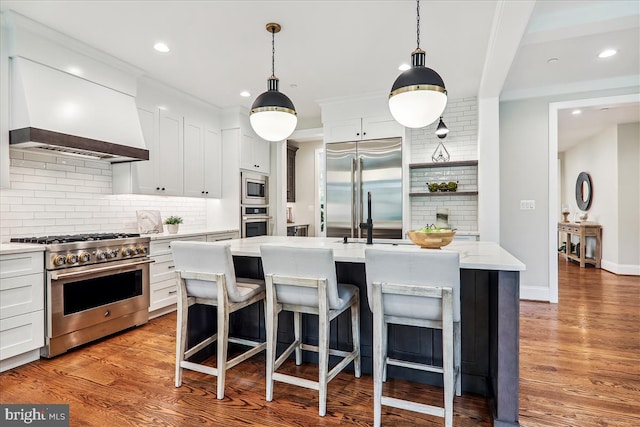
<point x="473" y="255"/>
<point x="186" y="233"/>
<point x="17" y="248"/>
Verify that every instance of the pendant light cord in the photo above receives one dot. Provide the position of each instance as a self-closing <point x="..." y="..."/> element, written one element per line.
<point x="418" y="22"/>
<point x="273" y="52"/>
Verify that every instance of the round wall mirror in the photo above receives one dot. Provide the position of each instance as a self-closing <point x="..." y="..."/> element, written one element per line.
<point x="584" y="191"/>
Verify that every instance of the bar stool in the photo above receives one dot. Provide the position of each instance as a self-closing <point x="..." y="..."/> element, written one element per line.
<point x="420" y="288"/>
<point x="206" y="276"/>
<point x="303" y="280"/>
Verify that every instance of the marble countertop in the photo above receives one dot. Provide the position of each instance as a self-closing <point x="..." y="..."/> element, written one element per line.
<point x="186" y="233"/>
<point x="17" y="248"/>
<point x="473" y="255"/>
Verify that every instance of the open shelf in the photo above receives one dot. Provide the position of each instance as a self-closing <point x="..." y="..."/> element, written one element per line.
<point x="443" y="193"/>
<point x="443" y="164"/>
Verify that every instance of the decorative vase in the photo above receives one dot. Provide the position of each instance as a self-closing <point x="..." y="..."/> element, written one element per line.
<point x="172" y="228"/>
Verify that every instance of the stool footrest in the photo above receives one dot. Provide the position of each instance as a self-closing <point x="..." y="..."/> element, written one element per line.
<point x="247" y="354"/>
<point x="289" y="379"/>
<point x="414" y="365"/>
<point x="413" y="406"/>
<point x="200" y="368"/>
<point x="202" y="344"/>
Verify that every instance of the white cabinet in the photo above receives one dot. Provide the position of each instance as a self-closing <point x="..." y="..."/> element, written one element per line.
<point x="202" y="160"/>
<point x="21" y="308"/>
<point x="362" y="128"/>
<point x="254" y="152"/>
<point x="185" y="158"/>
<point x="163" y="281"/>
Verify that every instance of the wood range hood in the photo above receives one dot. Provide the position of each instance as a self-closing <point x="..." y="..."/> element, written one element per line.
<point x="55" y="111"/>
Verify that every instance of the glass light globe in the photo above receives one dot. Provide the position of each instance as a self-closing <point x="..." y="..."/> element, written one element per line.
<point x="273" y="125"/>
<point x="417" y="108"/>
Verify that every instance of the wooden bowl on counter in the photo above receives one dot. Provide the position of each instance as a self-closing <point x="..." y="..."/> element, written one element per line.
<point x="432" y="240"/>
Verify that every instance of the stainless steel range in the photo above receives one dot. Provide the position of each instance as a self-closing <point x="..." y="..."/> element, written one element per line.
<point x="96" y="284"/>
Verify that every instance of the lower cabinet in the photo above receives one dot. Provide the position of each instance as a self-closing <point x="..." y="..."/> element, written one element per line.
<point x="21" y="308"/>
<point x="163" y="287"/>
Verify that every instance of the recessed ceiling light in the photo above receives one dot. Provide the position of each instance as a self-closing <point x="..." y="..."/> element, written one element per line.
<point x="75" y="70"/>
<point x="607" y="53"/>
<point x="552" y="60"/>
<point x="404" y="67"/>
<point x="245" y="94"/>
<point x="576" y="112"/>
<point x="161" y="47"/>
<point x="293" y="85"/>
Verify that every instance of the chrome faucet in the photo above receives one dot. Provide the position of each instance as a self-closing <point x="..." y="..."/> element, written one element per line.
<point x="369" y="224"/>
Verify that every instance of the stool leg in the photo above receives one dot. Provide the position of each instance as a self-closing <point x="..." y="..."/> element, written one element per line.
<point x="378" y="354"/>
<point x="181" y="337"/>
<point x="323" y="349"/>
<point x="297" y="320"/>
<point x="223" y="341"/>
<point x="355" y="334"/>
<point x="272" y="341"/>
<point x="385" y="335"/>
<point x="457" y="362"/>
<point x="448" y="357"/>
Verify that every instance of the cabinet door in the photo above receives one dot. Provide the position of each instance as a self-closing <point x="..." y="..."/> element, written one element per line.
<point x="343" y="130"/>
<point x="212" y="163"/>
<point x="247" y="154"/>
<point x="193" y="172"/>
<point x="170" y="155"/>
<point x="262" y="150"/>
<point x="380" y="127"/>
<point x="144" y="174"/>
<point x="291" y="173"/>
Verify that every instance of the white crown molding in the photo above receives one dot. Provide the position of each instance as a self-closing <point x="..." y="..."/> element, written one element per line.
<point x="163" y="86"/>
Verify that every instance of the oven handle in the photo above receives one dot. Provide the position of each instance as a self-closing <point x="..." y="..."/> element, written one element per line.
<point x="255" y="217"/>
<point x="56" y="276"/>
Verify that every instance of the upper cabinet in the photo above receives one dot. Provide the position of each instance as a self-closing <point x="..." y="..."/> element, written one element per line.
<point x="254" y="151"/>
<point x="185" y="158"/>
<point x="202" y="160"/>
<point x="375" y="127"/>
<point x="291" y="173"/>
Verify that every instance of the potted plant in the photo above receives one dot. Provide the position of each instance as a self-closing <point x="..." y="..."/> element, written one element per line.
<point x="172" y="223"/>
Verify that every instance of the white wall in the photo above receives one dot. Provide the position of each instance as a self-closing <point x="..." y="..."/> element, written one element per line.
<point x="305" y="206"/>
<point x="598" y="156"/>
<point x="629" y="198"/>
<point x="524" y="174"/>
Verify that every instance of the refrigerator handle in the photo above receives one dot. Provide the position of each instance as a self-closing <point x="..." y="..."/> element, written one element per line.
<point x="359" y="199"/>
<point x="353" y="197"/>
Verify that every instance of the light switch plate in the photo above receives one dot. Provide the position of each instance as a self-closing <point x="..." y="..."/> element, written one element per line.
<point x="526" y="205"/>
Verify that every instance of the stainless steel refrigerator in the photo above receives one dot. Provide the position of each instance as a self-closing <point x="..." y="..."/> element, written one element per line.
<point x="354" y="169"/>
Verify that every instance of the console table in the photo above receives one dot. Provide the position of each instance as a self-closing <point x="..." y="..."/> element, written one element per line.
<point x="582" y="230"/>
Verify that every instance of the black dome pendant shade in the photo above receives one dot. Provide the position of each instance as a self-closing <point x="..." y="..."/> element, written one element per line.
<point x="273" y="116"/>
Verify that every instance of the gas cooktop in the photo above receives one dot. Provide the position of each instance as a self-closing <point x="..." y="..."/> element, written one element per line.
<point x="50" y="240"/>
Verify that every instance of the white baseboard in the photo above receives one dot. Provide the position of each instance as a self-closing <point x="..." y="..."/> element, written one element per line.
<point x="535" y="293"/>
<point x="19" y="359"/>
<point x="623" y="269"/>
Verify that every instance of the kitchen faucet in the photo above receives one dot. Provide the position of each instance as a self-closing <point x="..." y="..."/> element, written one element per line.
<point x="369" y="224"/>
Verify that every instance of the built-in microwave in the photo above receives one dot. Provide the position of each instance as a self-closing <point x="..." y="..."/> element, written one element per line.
<point x="255" y="189"/>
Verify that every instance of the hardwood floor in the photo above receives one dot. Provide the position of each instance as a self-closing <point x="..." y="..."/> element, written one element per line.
<point x="579" y="366"/>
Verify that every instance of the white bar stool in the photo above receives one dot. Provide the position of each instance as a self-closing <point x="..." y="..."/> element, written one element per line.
<point x="303" y="280"/>
<point x="206" y="276"/>
<point x="420" y="288"/>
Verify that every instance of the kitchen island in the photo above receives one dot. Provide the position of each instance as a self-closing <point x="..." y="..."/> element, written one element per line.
<point x="490" y="279"/>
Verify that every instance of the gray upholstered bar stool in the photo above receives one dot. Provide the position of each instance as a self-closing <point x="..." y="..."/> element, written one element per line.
<point x="303" y="280"/>
<point x="206" y="276"/>
<point x="419" y="288"/>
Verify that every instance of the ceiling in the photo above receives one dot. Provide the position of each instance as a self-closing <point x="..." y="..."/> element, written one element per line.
<point x="336" y="49"/>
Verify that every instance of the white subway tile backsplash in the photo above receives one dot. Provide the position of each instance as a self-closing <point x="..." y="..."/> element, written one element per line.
<point x="51" y="194"/>
<point x="460" y="116"/>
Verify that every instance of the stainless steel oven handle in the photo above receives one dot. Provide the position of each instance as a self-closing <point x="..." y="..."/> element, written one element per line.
<point x="56" y="276"/>
<point x="255" y="217"/>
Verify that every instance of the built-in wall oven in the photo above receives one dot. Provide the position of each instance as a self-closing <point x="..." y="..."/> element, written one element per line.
<point x="255" y="189"/>
<point x="255" y="221"/>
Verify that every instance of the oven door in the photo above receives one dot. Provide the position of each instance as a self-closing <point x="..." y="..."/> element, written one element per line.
<point x="255" y="226"/>
<point x="86" y="303"/>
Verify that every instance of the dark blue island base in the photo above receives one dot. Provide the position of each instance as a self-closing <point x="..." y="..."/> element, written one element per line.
<point x="490" y="333"/>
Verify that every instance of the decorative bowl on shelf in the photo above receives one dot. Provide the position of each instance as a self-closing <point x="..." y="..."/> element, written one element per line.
<point x="432" y="240"/>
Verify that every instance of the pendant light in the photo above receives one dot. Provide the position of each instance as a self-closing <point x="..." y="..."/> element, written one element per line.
<point x="442" y="130"/>
<point x="273" y="116"/>
<point x="418" y="96"/>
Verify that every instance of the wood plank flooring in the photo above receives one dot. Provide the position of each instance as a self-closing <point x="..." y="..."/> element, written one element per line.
<point x="579" y="366"/>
